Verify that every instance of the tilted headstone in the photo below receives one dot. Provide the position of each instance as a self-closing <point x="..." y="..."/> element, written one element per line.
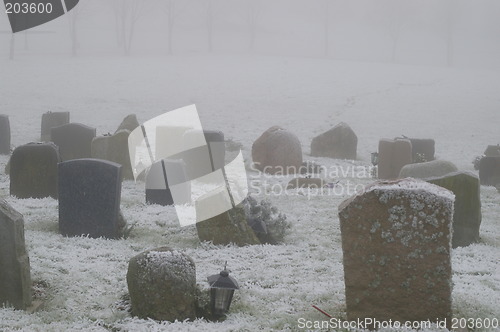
<point x="204" y="159"/>
<point x="161" y="176"/>
<point x="4" y="134"/>
<point x="114" y="148"/>
<point x="340" y="142"/>
<point x="89" y="198"/>
<point x="277" y="151"/>
<point x="129" y="123"/>
<point x="34" y="171"/>
<point x="392" y="156"/>
<point x="489" y="171"/>
<point x="396" y="243"/>
<point x="162" y="285"/>
<point x="492" y="151"/>
<point x="423" y="149"/>
<point x="74" y="140"/>
<point x="51" y="120"/>
<point x="427" y="169"/>
<point x="467" y="214"/>
<point x="15" y="277"/>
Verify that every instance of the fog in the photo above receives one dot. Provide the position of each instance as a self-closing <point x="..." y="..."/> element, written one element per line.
<point x="424" y="32"/>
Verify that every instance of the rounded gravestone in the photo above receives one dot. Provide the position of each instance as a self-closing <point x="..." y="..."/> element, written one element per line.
<point x="340" y="142"/>
<point x="162" y="285"/>
<point x="277" y="151"/>
<point x="427" y="169"/>
<point x="51" y="120"/>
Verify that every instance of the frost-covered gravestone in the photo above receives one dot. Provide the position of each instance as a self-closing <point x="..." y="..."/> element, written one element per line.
<point x="161" y="176"/>
<point x="489" y="171"/>
<point x="129" y="123"/>
<point x="51" y="120"/>
<point x="393" y="155"/>
<point x="162" y="285"/>
<point x="4" y="134"/>
<point x="396" y="243"/>
<point x="277" y="151"/>
<point x="204" y="159"/>
<point x="467" y="214"/>
<point x="15" y="277"/>
<point x="33" y="171"/>
<point x="339" y="142"/>
<point x="423" y="149"/>
<point x="114" y="148"/>
<point x="74" y="140"/>
<point x="427" y="169"/>
<point x="89" y="198"/>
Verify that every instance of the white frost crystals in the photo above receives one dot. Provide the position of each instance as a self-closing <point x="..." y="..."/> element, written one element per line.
<point x="163" y="137"/>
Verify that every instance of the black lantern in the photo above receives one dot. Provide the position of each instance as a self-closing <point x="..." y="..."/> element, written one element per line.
<point x="222" y="288"/>
<point x="374" y="158"/>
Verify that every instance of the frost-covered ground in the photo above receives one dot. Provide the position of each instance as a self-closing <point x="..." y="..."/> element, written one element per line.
<point x="83" y="280"/>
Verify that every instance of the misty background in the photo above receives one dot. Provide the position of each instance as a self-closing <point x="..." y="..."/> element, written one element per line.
<point x="424" y="32"/>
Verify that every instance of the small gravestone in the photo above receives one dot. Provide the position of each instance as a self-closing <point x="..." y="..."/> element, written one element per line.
<point x="15" y="277"/>
<point x="316" y="183"/>
<point x="396" y="243"/>
<point x="204" y="159"/>
<point x="162" y="285"/>
<point x="89" y="198"/>
<point x="34" y="171"/>
<point x="392" y="156"/>
<point x="4" y="134"/>
<point x="489" y="171"/>
<point x="51" y="120"/>
<point x="467" y="214"/>
<point x="224" y="228"/>
<point x="277" y="151"/>
<point x="427" y="169"/>
<point x="114" y="148"/>
<point x="161" y="176"/>
<point x="422" y="149"/>
<point x="340" y="142"/>
<point x="74" y="140"/>
<point x="492" y="151"/>
<point x="129" y="123"/>
<point x="167" y="141"/>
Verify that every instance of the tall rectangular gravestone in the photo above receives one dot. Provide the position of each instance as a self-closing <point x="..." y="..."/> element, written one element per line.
<point x="392" y="156"/>
<point x="74" y="140"/>
<point x="423" y="149"/>
<point x="161" y="176"/>
<point x="4" y="134"/>
<point x="33" y="170"/>
<point x="489" y="171"/>
<point x="89" y="198"/>
<point x="396" y="243"/>
<point x="51" y="120"/>
<point x="15" y="277"/>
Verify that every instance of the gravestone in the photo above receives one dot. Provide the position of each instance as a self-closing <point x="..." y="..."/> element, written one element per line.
<point x="4" y="134"/>
<point x="51" y="120"/>
<point x="33" y="171"/>
<point x="392" y="156"/>
<point x="167" y="140"/>
<point x="340" y="142"/>
<point x="225" y="228"/>
<point x="114" y="148"/>
<point x="89" y="198"/>
<point x="162" y="285"/>
<point x="277" y="151"/>
<point x="467" y="214"/>
<point x="489" y="171"/>
<point x="205" y="159"/>
<point x="15" y="277"/>
<point x="74" y="140"/>
<point x="422" y="149"/>
<point x="396" y="243"/>
<point x="161" y="176"/>
<point x="427" y="169"/>
<point x="492" y="151"/>
<point x="129" y="123"/>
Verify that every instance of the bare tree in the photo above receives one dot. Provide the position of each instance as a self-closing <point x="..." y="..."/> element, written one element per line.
<point x="253" y="14"/>
<point x="74" y="17"/>
<point x="170" y="8"/>
<point x="450" y="23"/>
<point x="210" y="24"/>
<point x="326" y="9"/>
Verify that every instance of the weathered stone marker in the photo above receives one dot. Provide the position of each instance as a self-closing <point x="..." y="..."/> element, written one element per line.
<point x="339" y="142"/>
<point x="393" y="155"/>
<point x="34" y="171"/>
<point x="74" y="140"/>
<point x="129" y="123"/>
<point x="158" y="184"/>
<point x="15" y="277"/>
<point x="423" y="149"/>
<point x="51" y="120"/>
<point x="492" y="151"/>
<point x="89" y="198"/>
<point x="162" y="285"/>
<point x="205" y="159"/>
<point x="489" y="171"/>
<point x="396" y="243"/>
<point x="427" y="169"/>
<point x="467" y="215"/>
<point x="114" y="148"/>
<point x="4" y="134"/>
